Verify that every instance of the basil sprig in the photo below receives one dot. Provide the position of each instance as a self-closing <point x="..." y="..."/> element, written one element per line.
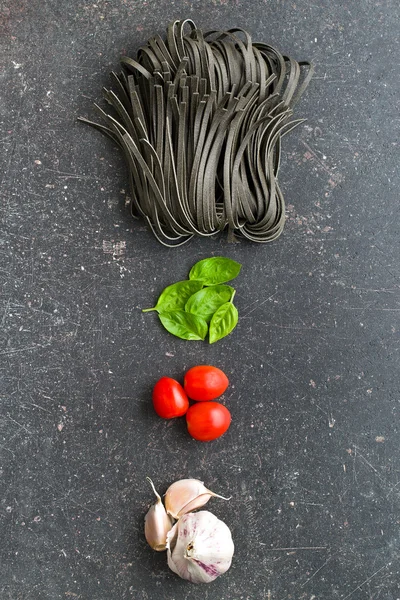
<point x="203" y="303"/>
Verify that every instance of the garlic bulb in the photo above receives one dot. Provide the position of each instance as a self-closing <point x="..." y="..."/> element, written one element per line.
<point x="199" y="547"/>
<point x="157" y="523"/>
<point x="186" y="495"/>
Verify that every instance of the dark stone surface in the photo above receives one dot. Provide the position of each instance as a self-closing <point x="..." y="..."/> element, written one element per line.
<point x="312" y="457"/>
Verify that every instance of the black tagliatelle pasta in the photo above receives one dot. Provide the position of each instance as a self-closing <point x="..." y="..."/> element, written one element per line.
<point x="199" y="118"/>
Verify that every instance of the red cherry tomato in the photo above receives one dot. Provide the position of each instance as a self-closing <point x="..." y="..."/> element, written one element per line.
<point x="205" y="382"/>
<point x="207" y="421"/>
<point x="169" y="398"/>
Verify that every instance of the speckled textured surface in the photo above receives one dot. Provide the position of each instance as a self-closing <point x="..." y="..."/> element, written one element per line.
<point x="312" y="457"/>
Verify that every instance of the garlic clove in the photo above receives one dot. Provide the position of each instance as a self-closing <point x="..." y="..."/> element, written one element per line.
<point x="199" y="547"/>
<point x="187" y="495"/>
<point x="157" y="523"/>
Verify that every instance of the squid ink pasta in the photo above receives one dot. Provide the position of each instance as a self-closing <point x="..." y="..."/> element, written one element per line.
<point x="199" y="118"/>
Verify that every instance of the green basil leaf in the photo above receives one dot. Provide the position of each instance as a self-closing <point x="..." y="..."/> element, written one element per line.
<point x="184" y="325"/>
<point x="215" y="270"/>
<point x="205" y="302"/>
<point x="223" y="321"/>
<point x="175" y="296"/>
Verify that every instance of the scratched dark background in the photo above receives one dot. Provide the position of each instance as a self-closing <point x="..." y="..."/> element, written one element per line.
<point x="312" y="458"/>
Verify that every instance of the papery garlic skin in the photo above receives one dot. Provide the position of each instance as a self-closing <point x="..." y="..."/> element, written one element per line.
<point x="187" y="495"/>
<point x="199" y="547"/>
<point x="157" y="524"/>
